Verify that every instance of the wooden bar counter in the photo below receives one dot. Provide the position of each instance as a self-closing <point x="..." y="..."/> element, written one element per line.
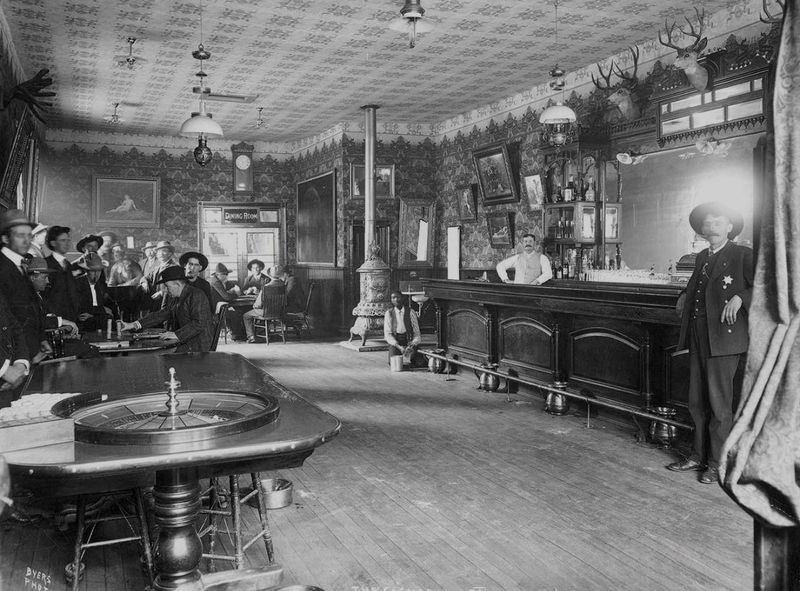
<point x="619" y="341"/>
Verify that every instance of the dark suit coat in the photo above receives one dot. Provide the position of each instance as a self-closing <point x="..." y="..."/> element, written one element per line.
<point x="23" y="302"/>
<point x="85" y="294"/>
<point x="189" y="317"/>
<point x="219" y="291"/>
<point x="13" y="343"/>
<point x="204" y="286"/>
<point x="61" y="298"/>
<point x="731" y="275"/>
<point x="295" y="298"/>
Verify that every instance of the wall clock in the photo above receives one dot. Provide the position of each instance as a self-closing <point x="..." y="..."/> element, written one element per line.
<point x="242" y="156"/>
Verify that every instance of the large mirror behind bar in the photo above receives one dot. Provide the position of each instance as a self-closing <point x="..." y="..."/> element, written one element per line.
<point x="658" y="193"/>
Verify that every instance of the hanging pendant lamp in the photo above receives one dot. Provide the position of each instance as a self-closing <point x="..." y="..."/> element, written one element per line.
<point x="558" y="120"/>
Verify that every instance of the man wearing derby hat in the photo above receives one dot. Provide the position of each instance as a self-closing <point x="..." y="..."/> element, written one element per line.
<point x="193" y="263"/>
<point x="223" y="290"/>
<point x="187" y="314"/>
<point x="151" y="283"/>
<point x="39" y="274"/>
<point x="20" y="296"/>
<point x="713" y="310"/>
<point x="93" y="310"/>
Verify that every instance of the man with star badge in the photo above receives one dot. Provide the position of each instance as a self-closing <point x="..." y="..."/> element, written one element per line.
<point x="713" y="310"/>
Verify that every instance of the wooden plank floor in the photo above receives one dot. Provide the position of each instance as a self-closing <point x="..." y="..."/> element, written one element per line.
<point x="435" y="485"/>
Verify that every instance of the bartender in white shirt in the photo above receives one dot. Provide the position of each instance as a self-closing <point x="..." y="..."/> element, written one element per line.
<point x="531" y="267"/>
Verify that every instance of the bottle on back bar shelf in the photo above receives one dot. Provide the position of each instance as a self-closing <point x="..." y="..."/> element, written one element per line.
<point x="618" y="259"/>
<point x="557" y="198"/>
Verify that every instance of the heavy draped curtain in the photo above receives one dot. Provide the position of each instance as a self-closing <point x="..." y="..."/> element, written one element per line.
<point x="761" y="458"/>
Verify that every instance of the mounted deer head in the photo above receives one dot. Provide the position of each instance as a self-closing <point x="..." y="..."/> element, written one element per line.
<point x="687" y="56"/>
<point x="772" y="19"/>
<point x="620" y="95"/>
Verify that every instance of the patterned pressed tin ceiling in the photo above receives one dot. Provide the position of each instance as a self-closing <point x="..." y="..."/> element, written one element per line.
<point x="312" y="63"/>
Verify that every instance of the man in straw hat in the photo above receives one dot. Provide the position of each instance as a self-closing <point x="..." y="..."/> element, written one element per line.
<point x="37" y="248"/>
<point x="187" y="313"/>
<point x="713" y="310"/>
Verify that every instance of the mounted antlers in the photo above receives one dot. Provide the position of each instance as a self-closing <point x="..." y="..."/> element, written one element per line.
<point x="619" y="94"/>
<point x="687" y="56"/>
<point x="772" y="19"/>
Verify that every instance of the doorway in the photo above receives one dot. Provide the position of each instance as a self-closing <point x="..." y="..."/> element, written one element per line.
<point x="233" y="234"/>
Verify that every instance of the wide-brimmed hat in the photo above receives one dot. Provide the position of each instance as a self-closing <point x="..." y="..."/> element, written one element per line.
<point x="87" y="239"/>
<point x="13" y="217"/>
<point x="221" y="269"/>
<point x="193" y="255"/>
<point x="40" y="228"/>
<point x="148" y="244"/>
<point x="110" y="234"/>
<point x="164" y="244"/>
<point x="258" y="262"/>
<point x="38" y="265"/>
<point x="276" y="272"/>
<point x="91" y="261"/>
<point x="716" y="208"/>
<point x="173" y="273"/>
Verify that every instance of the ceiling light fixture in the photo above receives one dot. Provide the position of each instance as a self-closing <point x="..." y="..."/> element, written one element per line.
<point x="411" y="21"/>
<point x="558" y="120"/>
<point x="200" y="124"/>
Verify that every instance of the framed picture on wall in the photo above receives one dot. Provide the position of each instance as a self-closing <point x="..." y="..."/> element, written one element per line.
<point x="495" y="176"/>
<point x="533" y="186"/>
<point x="126" y="202"/>
<point x="316" y="220"/>
<point x="501" y="229"/>
<point x="467" y="203"/>
<point x="384" y="180"/>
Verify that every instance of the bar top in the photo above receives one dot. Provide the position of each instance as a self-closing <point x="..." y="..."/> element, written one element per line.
<point x="639" y="302"/>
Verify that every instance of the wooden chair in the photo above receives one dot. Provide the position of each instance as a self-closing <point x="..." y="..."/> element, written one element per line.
<point x="273" y="310"/>
<point x="299" y="320"/>
<point x="219" y="324"/>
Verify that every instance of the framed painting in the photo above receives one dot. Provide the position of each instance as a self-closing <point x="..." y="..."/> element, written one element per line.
<point x="467" y="203"/>
<point x="126" y="202"/>
<point x="316" y="220"/>
<point x="501" y="230"/>
<point x="533" y="186"/>
<point x="495" y="176"/>
<point x="384" y="180"/>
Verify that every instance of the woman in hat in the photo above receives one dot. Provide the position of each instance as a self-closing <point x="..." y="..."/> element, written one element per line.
<point x="255" y="277"/>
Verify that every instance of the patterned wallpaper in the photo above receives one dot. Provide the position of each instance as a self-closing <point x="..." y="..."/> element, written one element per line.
<point x="454" y="168"/>
<point x="65" y="189"/>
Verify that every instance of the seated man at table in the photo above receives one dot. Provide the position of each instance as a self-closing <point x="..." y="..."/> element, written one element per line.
<point x="256" y="279"/>
<point x="276" y="275"/>
<point x="223" y="290"/>
<point x="125" y="272"/>
<point x="530" y="266"/>
<point x="401" y="331"/>
<point x="189" y="318"/>
<point x="93" y="310"/>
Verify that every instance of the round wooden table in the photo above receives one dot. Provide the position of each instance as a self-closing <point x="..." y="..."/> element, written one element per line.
<point x="173" y="468"/>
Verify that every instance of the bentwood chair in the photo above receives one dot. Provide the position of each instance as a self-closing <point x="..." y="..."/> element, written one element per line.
<point x="273" y="309"/>
<point x="219" y="325"/>
<point x="299" y="320"/>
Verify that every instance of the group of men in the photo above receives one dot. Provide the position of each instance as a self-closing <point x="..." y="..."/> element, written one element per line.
<point x="40" y="289"/>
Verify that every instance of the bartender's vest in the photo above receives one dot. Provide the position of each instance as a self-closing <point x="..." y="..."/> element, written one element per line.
<point x="527" y="268"/>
